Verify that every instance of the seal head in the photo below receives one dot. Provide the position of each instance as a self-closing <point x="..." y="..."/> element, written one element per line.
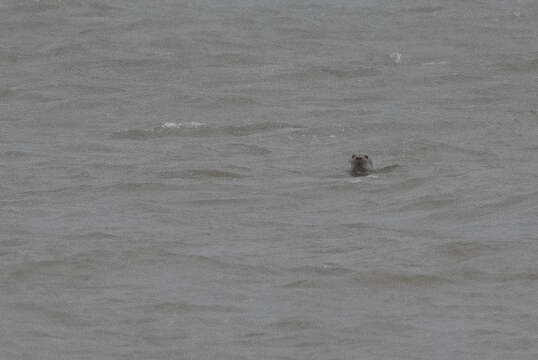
<point x="361" y="164"/>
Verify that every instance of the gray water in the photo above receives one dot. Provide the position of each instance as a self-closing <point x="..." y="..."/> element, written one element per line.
<point x="173" y="179"/>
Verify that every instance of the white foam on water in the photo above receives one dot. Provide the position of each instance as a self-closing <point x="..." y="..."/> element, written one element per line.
<point x="186" y="125"/>
<point x="431" y="63"/>
<point x="396" y="57"/>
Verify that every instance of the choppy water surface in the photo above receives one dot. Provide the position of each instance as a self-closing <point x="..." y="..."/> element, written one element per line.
<point x="173" y="185"/>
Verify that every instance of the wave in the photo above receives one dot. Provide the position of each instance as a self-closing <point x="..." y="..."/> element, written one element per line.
<point x="398" y="280"/>
<point x="208" y="174"/>
<point x="184" y="307"/>
<point x="294" y="324"/>
<point x="323" y="270"/>
<point x="166" y="129"/>
<point x="197" y="129"/>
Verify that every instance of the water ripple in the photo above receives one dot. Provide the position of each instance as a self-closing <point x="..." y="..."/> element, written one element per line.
<point x="199" y="130"/>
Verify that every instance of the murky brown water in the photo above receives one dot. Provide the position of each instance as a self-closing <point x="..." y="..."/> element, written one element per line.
<point x="173" y="179"/>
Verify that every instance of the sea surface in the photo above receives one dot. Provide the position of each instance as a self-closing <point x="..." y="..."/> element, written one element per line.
<point x="173" y="179"/>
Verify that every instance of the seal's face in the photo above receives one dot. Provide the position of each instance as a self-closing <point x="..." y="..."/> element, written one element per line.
<point x="361" y="163"/>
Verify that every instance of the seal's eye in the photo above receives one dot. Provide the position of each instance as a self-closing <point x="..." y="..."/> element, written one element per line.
<point x="354" y="156"/>
<point x="366" y="156"/>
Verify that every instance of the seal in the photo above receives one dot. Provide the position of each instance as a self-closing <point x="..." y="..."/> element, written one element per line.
<point x="361" y="165"/>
